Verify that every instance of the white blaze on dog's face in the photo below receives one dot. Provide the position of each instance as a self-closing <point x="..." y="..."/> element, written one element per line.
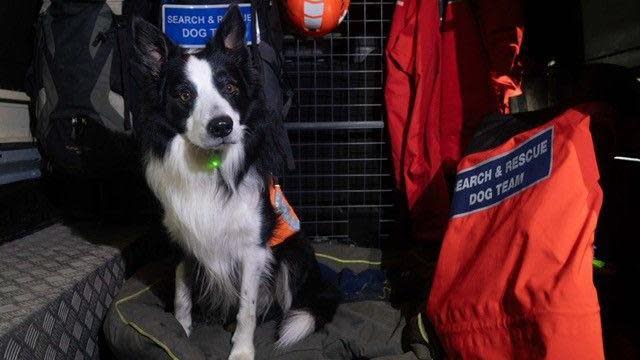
<point x="213" y="122"/>
<point x="218" y="74"/>
<point x="204" y="96"/>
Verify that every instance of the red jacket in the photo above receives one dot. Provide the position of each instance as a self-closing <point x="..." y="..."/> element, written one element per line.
<point x="439" y="84"/>
<point x="514" y="276"/>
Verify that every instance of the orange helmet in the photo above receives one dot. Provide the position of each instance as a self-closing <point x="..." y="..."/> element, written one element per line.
<point x="316" y="17"/>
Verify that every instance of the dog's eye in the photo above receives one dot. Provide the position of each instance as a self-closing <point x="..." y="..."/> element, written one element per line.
<point x="185" y="96"/>
<point x="230" y="88"/>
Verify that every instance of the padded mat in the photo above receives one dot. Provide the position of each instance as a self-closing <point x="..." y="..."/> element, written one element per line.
<point x="140" y="325"/>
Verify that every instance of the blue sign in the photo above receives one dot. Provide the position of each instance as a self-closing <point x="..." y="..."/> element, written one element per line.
<point x="497" y="179"/>
<point x="193" y="25"/>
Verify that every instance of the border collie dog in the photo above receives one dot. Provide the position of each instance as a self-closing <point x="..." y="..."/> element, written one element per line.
<point x="211" y="103"/>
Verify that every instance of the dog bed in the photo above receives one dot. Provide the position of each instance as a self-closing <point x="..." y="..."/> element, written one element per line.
<point x="140" y="323"/>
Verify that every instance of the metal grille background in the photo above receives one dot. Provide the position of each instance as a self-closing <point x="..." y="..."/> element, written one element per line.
<point x="342" y="184"/>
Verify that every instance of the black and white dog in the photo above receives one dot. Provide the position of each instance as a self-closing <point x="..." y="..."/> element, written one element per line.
<point x="211" y="102"/>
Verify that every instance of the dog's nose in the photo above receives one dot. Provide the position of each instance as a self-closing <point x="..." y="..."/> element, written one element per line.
<point x="220" y="126"/>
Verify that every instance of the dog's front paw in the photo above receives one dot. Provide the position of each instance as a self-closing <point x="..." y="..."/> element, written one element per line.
<point x="242" y="352"/>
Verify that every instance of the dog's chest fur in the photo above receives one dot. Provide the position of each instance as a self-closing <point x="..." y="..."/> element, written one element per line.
<point x="215" y="224"/>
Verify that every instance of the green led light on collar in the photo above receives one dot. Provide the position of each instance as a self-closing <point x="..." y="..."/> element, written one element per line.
<point x="214" y="162"/>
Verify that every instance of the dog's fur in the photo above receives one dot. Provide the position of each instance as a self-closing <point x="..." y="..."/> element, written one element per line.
<point x="223" y="218"/>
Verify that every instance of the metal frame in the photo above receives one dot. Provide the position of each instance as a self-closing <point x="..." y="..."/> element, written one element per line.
<point x="342" y="186"/>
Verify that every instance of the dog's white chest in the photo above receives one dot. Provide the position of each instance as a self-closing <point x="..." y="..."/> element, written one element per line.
<point x="211" y="222"/>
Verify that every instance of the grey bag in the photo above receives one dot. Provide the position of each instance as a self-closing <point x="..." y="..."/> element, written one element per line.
<point x="80" y="86"/>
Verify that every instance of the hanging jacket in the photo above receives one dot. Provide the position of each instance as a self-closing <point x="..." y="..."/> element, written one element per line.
<point x="441" y="79"/>
<point x="514" y="275"/>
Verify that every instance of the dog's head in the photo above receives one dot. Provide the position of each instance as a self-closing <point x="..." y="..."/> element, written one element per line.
<point x="206" y="95"/>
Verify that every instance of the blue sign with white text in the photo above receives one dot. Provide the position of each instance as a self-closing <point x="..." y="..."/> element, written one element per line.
<point x="496" y="179"/>
<point x="193" y="25"/>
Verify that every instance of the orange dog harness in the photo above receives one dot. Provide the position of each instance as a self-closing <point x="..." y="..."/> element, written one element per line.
<point x="287" y="222"/>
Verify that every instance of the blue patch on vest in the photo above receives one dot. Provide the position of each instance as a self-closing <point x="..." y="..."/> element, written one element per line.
<point x="194" y="25"/>
<point x="494" y="180"/>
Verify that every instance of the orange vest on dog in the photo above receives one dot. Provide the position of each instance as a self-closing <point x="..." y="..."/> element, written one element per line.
<point x="287" y="222"/>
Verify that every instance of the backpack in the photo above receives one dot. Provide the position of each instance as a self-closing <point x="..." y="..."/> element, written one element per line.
<point x="79" y="83"/>
<point x="267" y="56"/>
<point x="278" y="91"/>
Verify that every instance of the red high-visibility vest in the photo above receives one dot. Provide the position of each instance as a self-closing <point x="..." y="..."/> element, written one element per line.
<point x="514" y="276"/>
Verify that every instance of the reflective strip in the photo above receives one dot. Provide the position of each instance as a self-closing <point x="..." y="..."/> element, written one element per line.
<point x="282" y="208"/>
<point x="313" y="10"/>
<point x="312" y="23"/>
<point x="313" y="15"/>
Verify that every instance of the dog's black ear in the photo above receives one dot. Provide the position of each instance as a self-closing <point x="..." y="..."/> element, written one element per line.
<point x="230" y="33"/>
<point x="151" y="45"/>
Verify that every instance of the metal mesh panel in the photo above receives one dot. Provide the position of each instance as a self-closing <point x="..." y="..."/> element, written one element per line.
<point x="342" y="184"/>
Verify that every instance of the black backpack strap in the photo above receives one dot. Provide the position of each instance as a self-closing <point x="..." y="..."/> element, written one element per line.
<point x="267" y="52"/>
<point x="123" y="48"/>
<point x="33" y="83"/>
<point x="287" y="91"/>
<point x="287" y="102"/>
<point x="254" y="30"/>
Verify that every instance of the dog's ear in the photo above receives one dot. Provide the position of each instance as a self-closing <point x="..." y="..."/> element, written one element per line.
<point x="230" y="33"/>
<point x="152" y="47"/>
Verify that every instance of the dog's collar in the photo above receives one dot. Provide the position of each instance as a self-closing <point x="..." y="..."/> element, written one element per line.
<point x="287" y="222"/>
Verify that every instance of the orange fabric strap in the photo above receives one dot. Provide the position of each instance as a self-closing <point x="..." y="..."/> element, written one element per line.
<point x="287" y="222"/>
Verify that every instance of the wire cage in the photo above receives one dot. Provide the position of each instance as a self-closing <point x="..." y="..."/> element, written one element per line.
<point x="342" y="185"/>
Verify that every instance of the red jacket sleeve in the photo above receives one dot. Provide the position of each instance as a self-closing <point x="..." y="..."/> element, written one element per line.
<point x="399" y="82"/>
